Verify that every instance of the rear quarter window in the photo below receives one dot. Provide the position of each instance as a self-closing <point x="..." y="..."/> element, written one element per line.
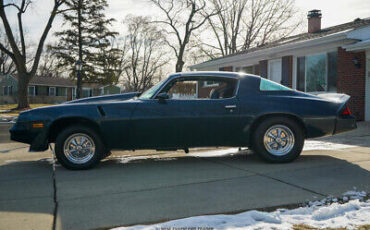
<point x="267" y="85"/>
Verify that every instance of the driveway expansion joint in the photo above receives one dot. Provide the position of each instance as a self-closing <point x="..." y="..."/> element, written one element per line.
<point x="269" y="177"/>
<point x="159" y="188"/>
<point x="55" y="212"/>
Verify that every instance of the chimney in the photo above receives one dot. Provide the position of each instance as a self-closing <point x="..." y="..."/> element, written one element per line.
<point x="314" y="21"/>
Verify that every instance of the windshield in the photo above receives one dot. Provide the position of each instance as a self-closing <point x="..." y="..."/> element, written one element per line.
<point x="150" y="92"/>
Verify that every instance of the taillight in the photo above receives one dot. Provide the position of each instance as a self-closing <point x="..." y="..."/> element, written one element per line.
<point x="346" y="111"/>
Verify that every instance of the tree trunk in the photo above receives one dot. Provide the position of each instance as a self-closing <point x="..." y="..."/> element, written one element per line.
<point x="179" y="65"/>
<point x="23" y="91"/>
<point x="79" y="74"/>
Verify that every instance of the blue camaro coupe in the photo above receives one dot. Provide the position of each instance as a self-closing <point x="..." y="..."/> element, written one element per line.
<point x="197" y="109"/>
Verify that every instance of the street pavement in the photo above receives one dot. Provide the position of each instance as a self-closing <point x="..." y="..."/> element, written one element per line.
<point x="129" y="188"/>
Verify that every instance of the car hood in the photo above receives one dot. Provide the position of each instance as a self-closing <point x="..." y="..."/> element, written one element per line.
<point x="105" y="99"/>
<point x="77" y="109"/>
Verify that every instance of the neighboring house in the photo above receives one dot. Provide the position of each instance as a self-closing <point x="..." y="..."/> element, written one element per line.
<point x="41" y="90"/>
<point x="50" y="90"/>
<point x="334" y="59"/>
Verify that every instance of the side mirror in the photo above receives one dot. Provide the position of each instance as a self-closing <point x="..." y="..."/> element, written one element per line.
<point x="162" y="97"/>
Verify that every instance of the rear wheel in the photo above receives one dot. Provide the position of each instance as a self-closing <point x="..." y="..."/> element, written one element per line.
<point x="78" y="147"/>
<point x="278" y="140"/>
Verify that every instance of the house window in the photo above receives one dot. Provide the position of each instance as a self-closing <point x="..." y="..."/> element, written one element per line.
<point x="274" y="70"/>
<point x="300" y="73"/>
<point x="31" y="91"/>
<point x="51" y="91"/>
<point x="316" y="80"/>
<point x="10" y="90"/>
<point x="5" y="90"/>
<point x="317" y="73"/>
<point x="86" y="92"/>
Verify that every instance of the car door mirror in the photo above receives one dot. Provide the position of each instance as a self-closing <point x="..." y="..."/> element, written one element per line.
<point x="162" y="97"/>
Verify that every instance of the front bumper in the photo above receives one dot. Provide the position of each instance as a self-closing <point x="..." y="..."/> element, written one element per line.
<point x="37" y="138"/>
<point x="345" y="124"/>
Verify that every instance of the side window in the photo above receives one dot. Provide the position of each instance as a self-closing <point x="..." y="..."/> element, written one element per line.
<point x="267" y="85"/>
<point x="183" y="90"/>
<point x="188" y="89"/>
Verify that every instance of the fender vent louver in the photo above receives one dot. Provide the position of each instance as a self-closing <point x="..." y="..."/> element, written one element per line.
<point x="101" y="111"/>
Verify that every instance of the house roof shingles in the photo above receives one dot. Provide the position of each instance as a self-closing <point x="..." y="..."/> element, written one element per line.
<point x="52" y="81"/>
<point x="357" y="23"/>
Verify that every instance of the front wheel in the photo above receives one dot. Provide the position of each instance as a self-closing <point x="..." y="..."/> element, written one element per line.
<point x="278" y="140"/>
<point x="78" y="147"/>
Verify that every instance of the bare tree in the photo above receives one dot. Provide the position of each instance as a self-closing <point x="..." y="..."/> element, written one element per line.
<point x="18" y="53"/>
<point x="242" y="24"/>
<point x="7" y="65"/>
<point x="182" y="18"/>
<point x="49" y="64"/>
<point x="143" y="54"/>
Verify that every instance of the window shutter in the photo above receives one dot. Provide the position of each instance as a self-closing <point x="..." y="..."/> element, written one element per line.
<point x="263" y="68"/>
<point x="286" y="70"/>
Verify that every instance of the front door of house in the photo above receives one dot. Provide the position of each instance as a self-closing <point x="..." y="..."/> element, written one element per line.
<point x="274" y="70"/>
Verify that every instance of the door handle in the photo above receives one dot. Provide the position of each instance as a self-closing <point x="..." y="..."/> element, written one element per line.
<point x="230" y="106"/>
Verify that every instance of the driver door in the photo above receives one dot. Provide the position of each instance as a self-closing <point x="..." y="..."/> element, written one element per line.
<point x="188" y="118"/>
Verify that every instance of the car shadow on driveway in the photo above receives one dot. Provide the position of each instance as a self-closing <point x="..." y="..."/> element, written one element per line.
<point x="153" y="190"/>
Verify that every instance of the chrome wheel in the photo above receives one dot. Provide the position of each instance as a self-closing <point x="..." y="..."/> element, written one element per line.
<point x="278" y="140"/>
<point x="79" y="148"/>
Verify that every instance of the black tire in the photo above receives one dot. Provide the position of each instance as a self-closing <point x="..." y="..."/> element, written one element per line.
<point x="259" y="147"/>
<point x="74" y="130"/>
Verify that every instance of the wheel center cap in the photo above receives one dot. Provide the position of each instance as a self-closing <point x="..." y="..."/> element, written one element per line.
<point x="79" y="148"/>
<point x="278" y="140"/>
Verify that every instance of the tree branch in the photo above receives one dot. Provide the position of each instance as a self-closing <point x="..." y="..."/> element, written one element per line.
<point x="57" y="4"/>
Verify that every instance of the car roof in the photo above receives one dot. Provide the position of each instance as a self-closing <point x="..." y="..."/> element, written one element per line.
<point x="210" y="73"/>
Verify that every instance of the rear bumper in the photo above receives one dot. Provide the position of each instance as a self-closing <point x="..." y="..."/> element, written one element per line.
<point x="345" y="124"/>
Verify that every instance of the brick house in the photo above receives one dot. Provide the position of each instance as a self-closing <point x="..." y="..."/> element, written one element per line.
<point x="334" y="59"/>
<point x="50" y="90"/>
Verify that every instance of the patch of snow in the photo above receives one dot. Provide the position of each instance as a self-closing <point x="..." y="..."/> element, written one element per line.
<point x="323" y="145"/>
<point x="318" y="214"/>
<point x="125" y="160"/>
<point x="49" y="160"/>
<point x="355" y="195"/>
<point x="216" y="153"/>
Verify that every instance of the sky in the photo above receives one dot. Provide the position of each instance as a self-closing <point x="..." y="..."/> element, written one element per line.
<point x="334" y="12"/>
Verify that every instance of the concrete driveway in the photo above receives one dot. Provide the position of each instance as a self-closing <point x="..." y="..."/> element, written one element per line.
<point x="126" y="190"/>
